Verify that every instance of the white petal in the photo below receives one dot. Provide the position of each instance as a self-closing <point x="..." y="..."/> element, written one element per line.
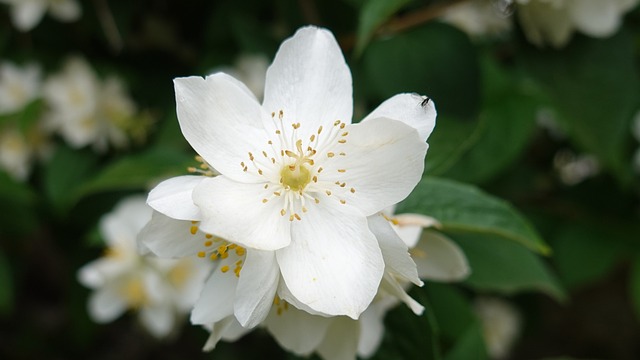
<point x="235" y="212"/>
<point x="383" y="163"/>
<point x="171" y="238"/>
<point x="222" y="121"/>
<point x="27" y="14"/>
<point x="65" y="10"/>
<point x="394" y="251"/>
<point x="256" y="288"/>
<point x="159" y="320"/>
<point x="98" y="272"/>
<point x="121" y="226"/>
<point x="228" y="329"/>
<point x="371" y="329"/>
<point x="309" y="81"/>
<point x="393" y="287"/>
<point x="341" y="342"/>
<point x="333" y="264"/>
<point x="411" y="109"/>
<point x="409" y="227"/>
<point x="106" y="304"/>
<point x="543" y="22"/>
<point x="595" y="17"/>
<point x="296" y="330"/>
<point x="216" y="301"/>
<point x="438" y="258"/>
<point x="173" y="197"/>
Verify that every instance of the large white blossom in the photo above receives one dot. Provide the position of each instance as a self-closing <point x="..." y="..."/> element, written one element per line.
<point x="26" y="14"/>
<point x="553" y="21"/>
<point x="162" y="291"/>
<point x="298" y="179"/>
<point x="86" y="110"/>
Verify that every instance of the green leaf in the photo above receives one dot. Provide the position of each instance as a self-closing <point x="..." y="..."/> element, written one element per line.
<point x="372" y="15"/>
<point x="465" y="208"/>
<point x="137" y="171"/>
<point x="435" y="60"/>
<point x="26" y="117"/>
<point x="409" y="336"/>
<point x="506" y="267"/>
<point x="449" y="142"/>
<point x="507" y="122"/>
<point x="584" y="254"/>
<point x="595" y="84"/>
<point x="470" y="346"/>
<point x="6" y="285"/>
<point x="17" y="206"/>
<point x="458" y="325"/>
<point x="65" y="173"/>
<point x="634" y="285"/>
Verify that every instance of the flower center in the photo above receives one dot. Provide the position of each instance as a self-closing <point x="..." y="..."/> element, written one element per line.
<point x="293" y="166"/>
<point x="295" y="176"/>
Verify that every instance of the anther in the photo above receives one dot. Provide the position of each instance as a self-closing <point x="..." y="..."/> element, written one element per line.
<point x="342" y="141"/>
<point x="208" y="243"/>
<point x="264" y="201"/>
<point x="342" y="170"/>
<point x="330" y="154"/>
<point x="193" y="230"/>
<point x="225" y="268"/>
<point x="328" y="192"/>
<point x="201" y="254"/>
<point x="251" y="156"/>
<point x="297" y="216"/>
<point x="343" y="202"/>
<point x="352" y="190"/>
<point x="282" y="212"/>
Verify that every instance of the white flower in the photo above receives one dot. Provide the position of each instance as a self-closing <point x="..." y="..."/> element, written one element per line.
<point x="86" y="111"/>
<point x="500" y="325"/>
<point x="26" y="14"/>
<point x="18" y="86"/>
<point x="477" y="18"/>
<point x="161" y="290"/>
<point x="553" y="21"/>
<point x="298" y="180"/>
<point x="436" y="256"/>
<point x="15" y="153"/>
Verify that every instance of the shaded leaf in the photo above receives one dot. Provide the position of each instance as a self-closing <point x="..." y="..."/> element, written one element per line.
<point x="464" y="208"/>
<point x="506" y="267"/>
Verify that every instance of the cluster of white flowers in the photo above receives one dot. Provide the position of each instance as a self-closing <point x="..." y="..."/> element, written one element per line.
<point x="543" y="21"/>
<point x="26" y="14"/>
<point x="297" y="222"/>
<point x="88" y="111"/>
<point x="84" y="110"/>
<point x="19" y="86"/>
<point x="162" y="291"/>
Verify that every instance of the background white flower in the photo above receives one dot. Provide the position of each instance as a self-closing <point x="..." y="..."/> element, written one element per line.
<point x="26" y="14"/>
<point x="553" y="21"/>
<point x="477" y="18"/>
<point x="18" y="86"/>
<point x="86" y="111"/>
<point x="500" y="325"/>
<point x="162" y="291"/>
<point x="296" y="166"/>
